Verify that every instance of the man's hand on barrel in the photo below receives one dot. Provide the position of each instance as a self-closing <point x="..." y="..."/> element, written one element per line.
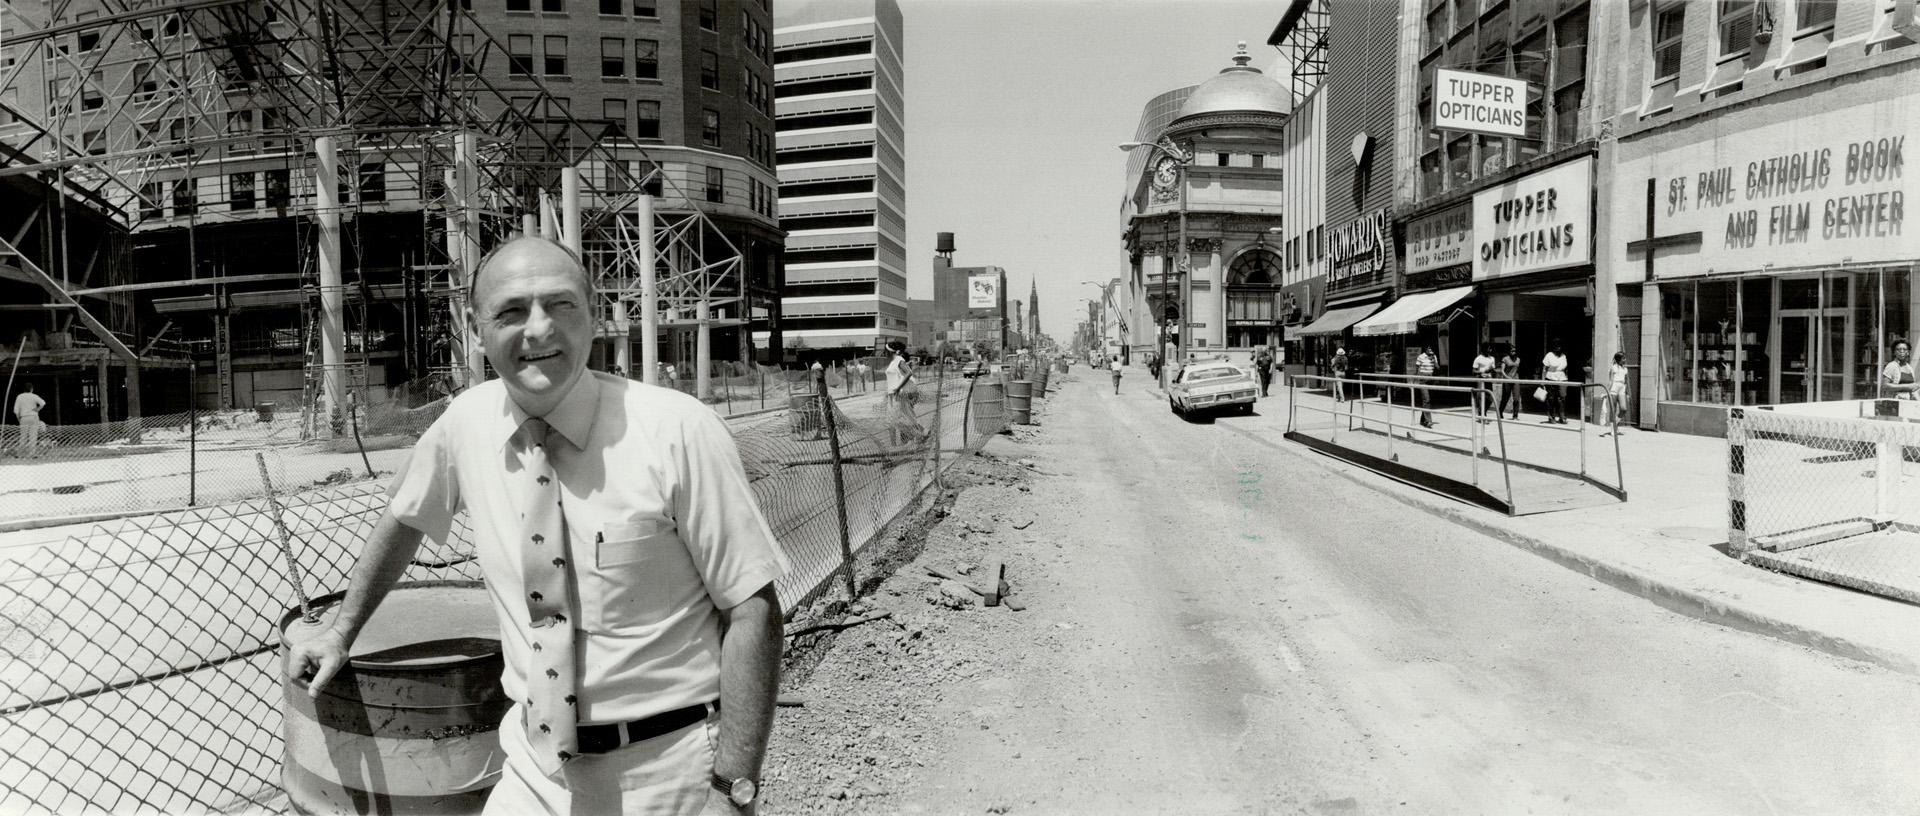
<point x="317" y="658"/>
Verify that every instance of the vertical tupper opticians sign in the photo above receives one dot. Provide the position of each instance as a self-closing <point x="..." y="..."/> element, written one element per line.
<point x="1535" y="223"/>
<point x="1822" y="189"/>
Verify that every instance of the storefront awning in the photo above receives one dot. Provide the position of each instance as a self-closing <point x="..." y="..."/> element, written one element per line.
<point x="1404" y="315"/>
<point x="1335" y="321"/>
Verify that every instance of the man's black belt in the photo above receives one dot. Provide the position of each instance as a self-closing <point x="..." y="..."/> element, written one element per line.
<point x="599" y="739"/>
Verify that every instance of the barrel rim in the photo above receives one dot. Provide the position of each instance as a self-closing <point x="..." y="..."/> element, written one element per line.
<point x="294" y="613"/>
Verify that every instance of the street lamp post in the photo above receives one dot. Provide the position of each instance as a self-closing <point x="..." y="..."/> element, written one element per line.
<point x="1181" y="263"/>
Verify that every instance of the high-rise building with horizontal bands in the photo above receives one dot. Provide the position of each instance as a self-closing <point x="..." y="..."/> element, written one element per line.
<point x="841" y="147"/>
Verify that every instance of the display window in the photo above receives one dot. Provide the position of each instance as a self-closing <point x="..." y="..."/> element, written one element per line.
<point x="1767" y="339"/>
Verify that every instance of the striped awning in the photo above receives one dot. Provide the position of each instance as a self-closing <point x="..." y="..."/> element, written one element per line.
<point x="1403" y="317"/>
<point x="1335" y="321"/>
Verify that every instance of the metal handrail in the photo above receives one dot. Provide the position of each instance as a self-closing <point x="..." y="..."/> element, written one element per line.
<point x="1476" y="438"/>
<point x="1386" y="380"/>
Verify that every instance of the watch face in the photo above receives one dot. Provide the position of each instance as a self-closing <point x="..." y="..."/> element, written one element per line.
<point x="744" y="792"/>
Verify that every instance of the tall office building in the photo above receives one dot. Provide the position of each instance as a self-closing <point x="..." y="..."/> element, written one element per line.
<point x="841" y="144"/>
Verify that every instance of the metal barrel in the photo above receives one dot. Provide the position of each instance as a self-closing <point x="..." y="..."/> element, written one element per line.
<point x="989" y="406"/>
<point x="1040" y="381"/>
<point x="410" y="724"/>
<point x="1020" y="402"/>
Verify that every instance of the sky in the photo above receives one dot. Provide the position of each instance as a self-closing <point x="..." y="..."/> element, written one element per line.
<point x="1015" y="109"/>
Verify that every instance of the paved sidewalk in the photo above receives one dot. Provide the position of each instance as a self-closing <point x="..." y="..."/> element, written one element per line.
<point x="1667" y="543"/>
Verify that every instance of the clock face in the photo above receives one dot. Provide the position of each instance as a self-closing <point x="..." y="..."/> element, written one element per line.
<point x="1166" y="172"/>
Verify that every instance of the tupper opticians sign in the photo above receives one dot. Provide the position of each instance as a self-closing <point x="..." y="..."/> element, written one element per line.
<point x="1824" y="189"/>
<point x="1537" y="222"/>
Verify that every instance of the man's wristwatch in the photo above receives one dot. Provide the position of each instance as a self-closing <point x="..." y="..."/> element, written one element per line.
<point x="741" y="792"/>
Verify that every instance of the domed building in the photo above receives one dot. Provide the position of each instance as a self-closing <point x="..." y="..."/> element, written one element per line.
<point x="1216" y="166"/>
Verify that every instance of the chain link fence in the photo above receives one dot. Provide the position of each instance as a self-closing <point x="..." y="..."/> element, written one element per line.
<point x="197" y="458"/>
<point x="138" y="670"/>
<point x="1834" y="498"/>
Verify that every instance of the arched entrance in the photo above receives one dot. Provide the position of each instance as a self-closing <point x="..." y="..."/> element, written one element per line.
<point x="1253" y="298"/>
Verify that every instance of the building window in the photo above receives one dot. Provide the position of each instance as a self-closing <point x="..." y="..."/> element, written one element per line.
<point x="614" y="113"/>
<point x="1813" y="14"/>
<point x="1437" y="25"/>
<point x="556" y="56"/>
<point x="519" y="5"/>
<point x="553" y="5"/>
<point x="613" y="57"/>
<point x="143" y="82"/>
<point x="1736" y="27"/>
<point x="709" y="16"/>
<point x="373" y="181"/>
<point x="279" y="188"/>
<point x="710" y="133"/>
<point x="645" y="8"/>
<point x="646" y="59"/>
<point x="150" y="200"/>
<point x="520" y="54"/>
<point x="716" y="185"/>
<point x="647" y="119"/>
<point x="710" y="70"/>
<point x="612" y="7"/>
<point x="94" y="142"/>
<point x="240" y="191"/>
<point x="184" y="197"/>
<point x="1668" y="25"/>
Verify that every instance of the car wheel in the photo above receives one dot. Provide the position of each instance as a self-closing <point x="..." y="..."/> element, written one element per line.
<point x="1246" y="409"/>
<point x="1173" y="406"/>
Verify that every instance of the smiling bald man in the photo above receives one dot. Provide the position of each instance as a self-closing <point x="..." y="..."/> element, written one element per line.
<point x="630" y="567"/>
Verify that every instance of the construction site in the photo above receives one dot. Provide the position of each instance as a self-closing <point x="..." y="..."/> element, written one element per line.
<point x="274" y="206"/>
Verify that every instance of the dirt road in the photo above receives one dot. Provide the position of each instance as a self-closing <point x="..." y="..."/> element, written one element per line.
<point x="1217" y="623"/>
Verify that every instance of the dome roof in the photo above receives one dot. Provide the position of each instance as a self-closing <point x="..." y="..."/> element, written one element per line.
<point x="1239" y="88"/>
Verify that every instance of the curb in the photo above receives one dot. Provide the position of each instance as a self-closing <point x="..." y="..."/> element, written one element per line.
<point x="1659" y="591"/>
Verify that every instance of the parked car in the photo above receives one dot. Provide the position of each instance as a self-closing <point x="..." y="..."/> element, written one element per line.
<point x="1214" y="385"/>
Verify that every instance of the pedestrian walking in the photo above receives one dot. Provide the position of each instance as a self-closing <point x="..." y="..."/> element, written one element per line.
<point x="1483" y="366"/>
<point x="1339" y="374"/>
<point x="1114" y="363"/>
<point x="1554" y="367"/>
<point x="1617" y="389"/>
<point x="1263" y="365"/>
<point x="26" y="409"/>
<point x="628" y="561"/>
<point x="1896" y="378"/>
<point x="1509" y="385"/>
<point x="1424" y="366"/>
<point x="902" y="392"/>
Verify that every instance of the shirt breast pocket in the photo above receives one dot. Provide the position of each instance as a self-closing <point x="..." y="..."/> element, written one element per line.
<point x="642" y="574"/>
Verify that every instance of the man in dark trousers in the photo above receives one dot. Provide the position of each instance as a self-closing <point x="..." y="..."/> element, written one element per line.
<point x="1263" y="366"/>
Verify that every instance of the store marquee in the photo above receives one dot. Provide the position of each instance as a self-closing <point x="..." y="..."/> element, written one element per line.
<point x="1824" y="189"/>
<point x="1535" y="223"/>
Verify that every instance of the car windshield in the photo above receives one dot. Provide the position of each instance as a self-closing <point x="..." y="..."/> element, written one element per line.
<point x="1212" y="373"/>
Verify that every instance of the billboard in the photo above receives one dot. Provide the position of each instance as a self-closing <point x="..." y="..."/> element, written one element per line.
<point x="1479" y="103"/>
<point x="983" y="291"/>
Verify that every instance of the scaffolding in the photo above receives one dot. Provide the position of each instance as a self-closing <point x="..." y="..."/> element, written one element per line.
<point x="1301" y="38"/>
<point x="188" y="117"/>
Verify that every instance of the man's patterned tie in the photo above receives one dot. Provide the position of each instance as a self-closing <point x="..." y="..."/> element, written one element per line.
<point x="551" y="717"/>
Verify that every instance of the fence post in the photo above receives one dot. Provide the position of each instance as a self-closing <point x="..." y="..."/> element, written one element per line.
<point x="839" y="478"/>
<point x="966" y="413"/>
<point x="353" y="418"/>
<point x="1737" y="480"/>
<point x="193" y="430"/>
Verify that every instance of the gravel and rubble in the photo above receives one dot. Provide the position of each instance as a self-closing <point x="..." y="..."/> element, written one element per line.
<point x="872" y="698"/>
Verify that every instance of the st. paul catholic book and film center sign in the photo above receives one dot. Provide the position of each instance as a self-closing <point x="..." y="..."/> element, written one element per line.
<point x="1823" y="189"/>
